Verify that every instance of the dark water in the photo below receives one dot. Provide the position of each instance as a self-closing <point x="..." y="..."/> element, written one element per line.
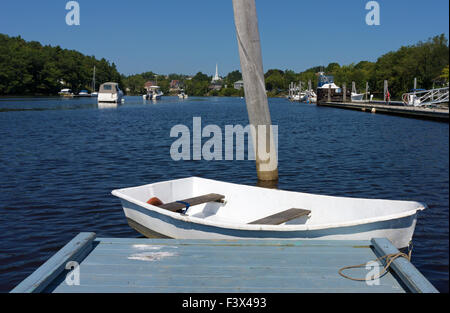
<point x="60" y="159"/>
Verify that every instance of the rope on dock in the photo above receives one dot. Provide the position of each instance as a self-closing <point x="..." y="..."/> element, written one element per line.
<point x="389" y="259"/>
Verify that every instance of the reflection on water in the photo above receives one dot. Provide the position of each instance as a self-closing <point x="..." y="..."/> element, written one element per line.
<point x="271" y="184"/>
<point x="107" y="105"/>
<point x="60" y="159"/>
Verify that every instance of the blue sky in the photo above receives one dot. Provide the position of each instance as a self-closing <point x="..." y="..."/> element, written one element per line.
<point x="181" y="36"/>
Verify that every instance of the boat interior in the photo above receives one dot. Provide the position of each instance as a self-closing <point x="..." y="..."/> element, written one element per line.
<point x="243" y="204"/>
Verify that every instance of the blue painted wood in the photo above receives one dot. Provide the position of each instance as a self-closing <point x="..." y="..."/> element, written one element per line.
<point x="407" y="272"/>
<point x="236" y="242"/>
<point x="75" y="250"/>
<point x="225" y="266"/>
<point x="186" y="266"/>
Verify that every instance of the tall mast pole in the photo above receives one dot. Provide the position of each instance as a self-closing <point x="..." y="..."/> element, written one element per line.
<point x="94" y="80"/>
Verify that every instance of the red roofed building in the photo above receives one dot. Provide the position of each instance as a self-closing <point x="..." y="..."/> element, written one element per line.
<point x="149" y="84"/>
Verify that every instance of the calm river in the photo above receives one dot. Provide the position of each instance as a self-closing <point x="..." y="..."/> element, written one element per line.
<point x="60" y="159"/>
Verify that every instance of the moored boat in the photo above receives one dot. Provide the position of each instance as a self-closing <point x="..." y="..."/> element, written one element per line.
<point x="84" y="93"/>
<point x="153" y="93"/>
<point x="327" y="82"/>
<point x="311" y="96"/>
<point x="182" y="95"/>
<point x="357" y="96"/>
<point x="67" y="93"/>
<point x="110" y="92"/>
<point x="94" y="93"/>
<point x="197" y="208"/>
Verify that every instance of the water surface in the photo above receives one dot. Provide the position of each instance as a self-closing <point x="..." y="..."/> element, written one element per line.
<point x="60" y="159"/>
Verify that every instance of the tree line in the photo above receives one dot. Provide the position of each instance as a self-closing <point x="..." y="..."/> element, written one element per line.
<point x="427" y="61"/>
<point x="29" y="68"/>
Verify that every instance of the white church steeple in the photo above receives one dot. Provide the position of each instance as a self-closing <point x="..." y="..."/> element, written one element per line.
<point x="216" y="77"/>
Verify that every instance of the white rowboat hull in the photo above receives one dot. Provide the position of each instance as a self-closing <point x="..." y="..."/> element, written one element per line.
<point x="331" y="217"/>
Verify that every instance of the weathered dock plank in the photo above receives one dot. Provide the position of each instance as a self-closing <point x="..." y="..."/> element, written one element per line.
<point x="409" y="275"/>
<point x="225" y="266"/>
<point x="75" y="250"/>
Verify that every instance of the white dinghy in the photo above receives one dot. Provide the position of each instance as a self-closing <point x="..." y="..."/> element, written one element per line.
<point x="220" y="210"/>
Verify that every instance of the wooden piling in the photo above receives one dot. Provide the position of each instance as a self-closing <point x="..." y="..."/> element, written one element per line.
<point x="367" y="91"/>
<point x="246" y="22"/>
<point x="344" y="92"/>
<point x="386" y="87"/>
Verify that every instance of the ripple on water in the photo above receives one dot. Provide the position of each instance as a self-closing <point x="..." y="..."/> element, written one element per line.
<point x="62" y="158"/>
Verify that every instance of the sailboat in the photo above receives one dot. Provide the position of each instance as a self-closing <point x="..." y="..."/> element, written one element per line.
<point x="94" y="93"/>
<point x="199" y="208"/>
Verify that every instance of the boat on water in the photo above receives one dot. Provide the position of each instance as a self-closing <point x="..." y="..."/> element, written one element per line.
<point x="110" y="92"/>
<point x="355" y="95"/>
<point x="296" y="97"/>
<point x="66" y="93"/>
<point x="153" y="93"/>
<point x="94" y="93"/>
<point x="311" y="96"/>
<point x="327" y="82"/>
<point x="198" y="208"/>
<point x="182" y="95"/>
<point x="84" y="93"/>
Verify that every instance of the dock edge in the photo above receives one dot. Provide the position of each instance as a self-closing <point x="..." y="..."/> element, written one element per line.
<point x="407" y="272"/>
<point x="76" y="250"/>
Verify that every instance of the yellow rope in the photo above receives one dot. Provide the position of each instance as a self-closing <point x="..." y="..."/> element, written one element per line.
<point x="389" y="259"/>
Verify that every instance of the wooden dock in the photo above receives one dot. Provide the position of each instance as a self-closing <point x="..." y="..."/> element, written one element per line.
<point x="436" y="114"/>
<point x="108" y="265"/>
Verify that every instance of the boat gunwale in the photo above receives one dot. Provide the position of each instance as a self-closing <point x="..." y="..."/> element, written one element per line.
<point x="279" y="228"/>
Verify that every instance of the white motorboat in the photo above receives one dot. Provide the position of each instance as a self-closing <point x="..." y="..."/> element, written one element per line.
<point x="153" y="93"/>
<point x="327" y="82"/>
<point x="311" y="96"/>
<point x="110" y="92"/>
<point x="299" y="96"/>
<point x="67" y="93"/>
<point x="84" y="93"/>
<point x="197" y="208"/>
<point x="182" y="95"/>
<point x="357" y="96"/>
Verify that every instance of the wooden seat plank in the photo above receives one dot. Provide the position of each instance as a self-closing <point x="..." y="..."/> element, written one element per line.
<point x="176" y="206"/>
<point x="282" y="217"/>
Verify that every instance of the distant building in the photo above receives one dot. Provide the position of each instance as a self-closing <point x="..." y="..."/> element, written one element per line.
<point x="149" y="84"/>
<point x="175" y="84"/>
<point x="239" y="84"/>
<point x="216" y="82"/>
